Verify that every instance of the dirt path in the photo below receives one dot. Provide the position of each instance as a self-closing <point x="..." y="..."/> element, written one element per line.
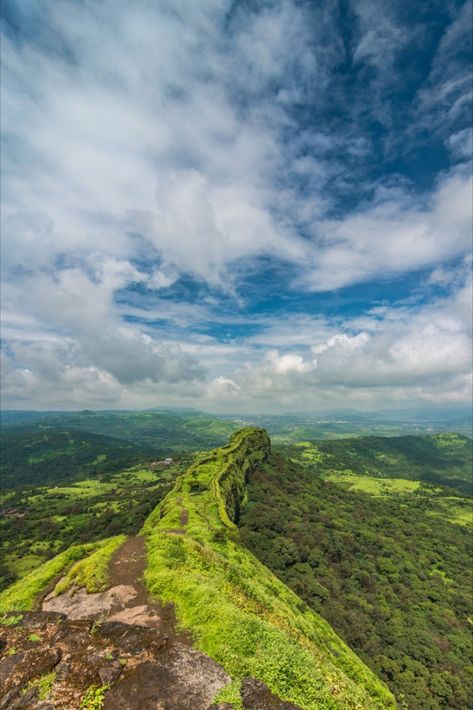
<point x="128" y="565"/>
<point x="126" y="600"/>
<point x="127" y="568"/>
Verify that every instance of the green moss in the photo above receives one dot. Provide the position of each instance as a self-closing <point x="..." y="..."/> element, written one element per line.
<point x="92" y="571"/>
<point x="240" y="614"/>
<point x="10" y="619"/>
<point x="24" y="593"/>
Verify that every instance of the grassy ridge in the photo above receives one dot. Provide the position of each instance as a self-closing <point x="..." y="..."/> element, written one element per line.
<point x="23" y="594"/>
<point x="92" y="571"/>
<point x="238" y="611"/>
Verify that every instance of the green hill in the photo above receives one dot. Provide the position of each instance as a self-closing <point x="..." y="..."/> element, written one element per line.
<point x="379" y="558"/>
<point x="164" y="431"/>
<point x="44" y="455"/>
<point x="439" y="459"/>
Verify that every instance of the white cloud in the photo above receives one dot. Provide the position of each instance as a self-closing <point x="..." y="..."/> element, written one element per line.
<point x="150" y="141"/>
<point x="400" y="354"/>
<point x="394" y="235"/>
<point x="222" y="388"/>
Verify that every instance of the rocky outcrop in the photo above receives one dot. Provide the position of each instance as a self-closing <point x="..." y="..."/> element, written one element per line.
<point x="50" y="662"/>
<point x="248" y="449"/>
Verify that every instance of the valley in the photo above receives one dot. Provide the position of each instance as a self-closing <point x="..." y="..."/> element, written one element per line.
<point x="331" y="572"/>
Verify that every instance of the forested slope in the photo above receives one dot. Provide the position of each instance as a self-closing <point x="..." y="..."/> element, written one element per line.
<point x="393" y="580"/>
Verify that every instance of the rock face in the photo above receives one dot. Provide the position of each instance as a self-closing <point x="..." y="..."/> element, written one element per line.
<point x="257" y="696"/>
<point x="50" y="662"/>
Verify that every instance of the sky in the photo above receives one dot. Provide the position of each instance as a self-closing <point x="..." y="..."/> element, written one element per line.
<point x="245" y="207"/>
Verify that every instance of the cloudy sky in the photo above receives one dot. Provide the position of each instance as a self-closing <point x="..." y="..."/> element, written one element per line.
<point x="258" y="206"/>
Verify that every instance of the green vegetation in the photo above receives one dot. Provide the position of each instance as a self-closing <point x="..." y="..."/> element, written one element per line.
<point x="395" y="584"/>
<point x="360" y="529"/>
<point x="45" y="521"/>
<point x="435" y="501"/>
<point x="10" y="619"/>
<point x="239" y="613"/>
<point x="24" y="593"/>
<point x="94" y="697"/>
<point x="438" y="459"/>
<point x="230" y="694"/>
<point x="46" y="455"/>
<point x="43" y="684"/>
<point x="160" y="433"/>
<point x="92" y="571"/>
<point x="375" y="486"/>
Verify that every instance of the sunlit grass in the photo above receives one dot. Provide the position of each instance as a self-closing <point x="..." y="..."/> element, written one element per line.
<point x="374" y="486"/>
<point x="23" y="594"/>
<point x="92" y="572"/>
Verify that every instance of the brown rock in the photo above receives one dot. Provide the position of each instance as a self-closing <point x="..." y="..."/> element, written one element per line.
<point x="257" y="696"/>
<point x="21" y="668"/>
<point x="109" y="673"/>
<point x="182" y="678"/>
<point x="132" y="639"/>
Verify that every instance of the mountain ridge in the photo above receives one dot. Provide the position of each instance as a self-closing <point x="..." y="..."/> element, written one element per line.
<point x="237" y="611"/>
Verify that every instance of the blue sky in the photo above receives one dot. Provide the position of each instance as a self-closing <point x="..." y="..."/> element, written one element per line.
<point x="236" y="206"/>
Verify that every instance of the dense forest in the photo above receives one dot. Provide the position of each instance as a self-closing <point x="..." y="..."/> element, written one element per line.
<point x="46" y="455"/>
<point x="166" y="430"/>
<point x="392" y="582"/>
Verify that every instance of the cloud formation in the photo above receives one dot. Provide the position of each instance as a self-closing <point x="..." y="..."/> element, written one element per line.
<point x="171" y="170"/>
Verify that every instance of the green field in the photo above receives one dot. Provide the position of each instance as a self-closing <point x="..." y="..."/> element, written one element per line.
<point x="374" y="486"/>
<point x="438" y="459"/>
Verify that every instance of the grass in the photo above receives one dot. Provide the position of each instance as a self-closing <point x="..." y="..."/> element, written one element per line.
<point x="456" y="510"/>
<point x="22" y="595"/>
<point x="10" y="620"/>
<point x="230" y="694"/>
<point x="82" y="489"/>
<point x="137" y="475"/>
<point x="23" y="564"/>
<point x="92" y="571"/>
<point x="374" y="486"/>
<point x="240" y="614"/>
